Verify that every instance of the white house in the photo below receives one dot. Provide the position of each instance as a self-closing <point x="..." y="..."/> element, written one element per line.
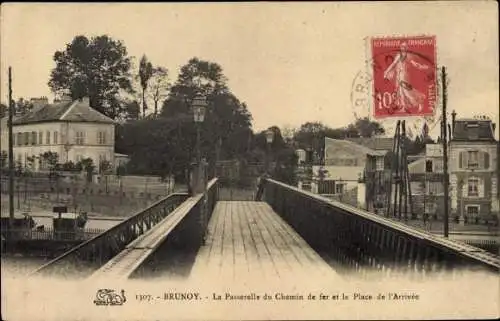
<point x="345" y="163"/>
<point x="72" y="129"/>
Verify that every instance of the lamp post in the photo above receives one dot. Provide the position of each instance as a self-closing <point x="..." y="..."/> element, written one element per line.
<point x="269" y="141"/>
<point x="199" y="107"/>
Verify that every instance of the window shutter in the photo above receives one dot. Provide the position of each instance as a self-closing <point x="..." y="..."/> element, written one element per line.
<point x="486" y="160"/>
<point x="480" y="159"/>
<point x="480" y="188"/>
<point x="461" y="161"/>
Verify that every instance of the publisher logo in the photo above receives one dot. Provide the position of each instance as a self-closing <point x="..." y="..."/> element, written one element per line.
<point x="109" y="297"/>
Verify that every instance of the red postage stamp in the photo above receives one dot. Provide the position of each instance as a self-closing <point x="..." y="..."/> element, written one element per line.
<point x="404" y="76"/>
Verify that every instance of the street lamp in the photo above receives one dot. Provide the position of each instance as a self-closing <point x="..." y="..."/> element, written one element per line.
<point x="199" y="107"/>
<point x="269" y="140"/>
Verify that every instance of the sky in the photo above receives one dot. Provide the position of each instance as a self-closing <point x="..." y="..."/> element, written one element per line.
<point x="290" y="62"/>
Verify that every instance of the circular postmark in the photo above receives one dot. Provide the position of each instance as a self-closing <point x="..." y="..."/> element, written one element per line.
<point x="398" y="83"/>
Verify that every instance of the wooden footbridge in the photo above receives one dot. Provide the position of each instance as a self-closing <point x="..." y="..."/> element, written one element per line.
<point x="284" y="231"/>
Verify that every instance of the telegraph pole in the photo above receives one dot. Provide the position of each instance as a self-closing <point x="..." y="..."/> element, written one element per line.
<point x="11" y="155"/>
<point x="444" y="134"/>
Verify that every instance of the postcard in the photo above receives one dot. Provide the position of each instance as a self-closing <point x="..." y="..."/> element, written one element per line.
<point x="250" y="161"/>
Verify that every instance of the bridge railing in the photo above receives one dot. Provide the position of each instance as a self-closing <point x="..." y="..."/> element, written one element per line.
<point x="362" y="241"/>
<point x="49" y="234"/>
<point x="92" y="254"/>
<point x="181" y="232"/>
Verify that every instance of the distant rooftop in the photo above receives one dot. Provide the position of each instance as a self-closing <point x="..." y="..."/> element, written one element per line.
<point x="375" y="143"/>
<point x="362" y="148"/>
<point x="473" y="130"/>
<point x="72" y="111"/>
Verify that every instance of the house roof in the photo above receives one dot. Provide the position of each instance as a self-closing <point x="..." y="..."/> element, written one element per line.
<point x="418" y="166"/>
<point x="74" y="111"/>
<point x="473" y="130"/>
<point x="375" y="143"/>
<point x="361" y="148"/>
<point x="347" y="173"/>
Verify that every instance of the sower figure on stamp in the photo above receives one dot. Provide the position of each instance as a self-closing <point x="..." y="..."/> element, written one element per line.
<point x="406" y="95"/>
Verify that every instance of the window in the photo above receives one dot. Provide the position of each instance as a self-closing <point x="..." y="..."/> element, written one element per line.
<point x="33" y="138"/>
<point x="47" y="138"/>
<point x="472" y="210"/>
<point x="428" y="166"/>
<point x="26" y="138"/>
<point x="473" y="189"/>
<point x="19" y="139"/>
<point x="473" y="159"/>
<point x="80" y="138"/>
<point x="101" y="138"/>
<point x="56" y="138"/>
<point x="40" y="138"/>
<point x="434" y="188"/>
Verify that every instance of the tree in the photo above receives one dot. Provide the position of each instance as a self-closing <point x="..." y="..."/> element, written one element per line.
<point x="159" y="86"/>
<point x="104" y="166"/>
<point x="23" y="107"/>
<point x="97" y="68"/>
<point x="50" y="159"/>
<point x="227" y="121"/>
<point x="133" y="110"/>
<point x="145" y="73"/>
<point x="311" y="136"/>
<point x="367" y="128"/>
<point x="197" y="76"/>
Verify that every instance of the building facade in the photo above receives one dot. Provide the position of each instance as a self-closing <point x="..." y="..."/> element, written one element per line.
<point x="346" y="165"/>
<point x="426" y="182"/>
<point x="72" y="129"/>
<point x="473" y="167"/>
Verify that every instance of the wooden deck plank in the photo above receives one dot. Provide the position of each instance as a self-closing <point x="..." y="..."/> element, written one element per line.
<point x="227" y="269"/>
<point x="272" y="240"/>
<point x="307" y="257"/>
<point x="294" y="256"/>
<point x="256" y="266"/>
<point x="265" y="257"/>
<point x="277" y="256"/>
<point x="215" y="230"/>
<point x="204" y="254"/>
<point x="241" y="262"/>
<point x="248" y="239"/>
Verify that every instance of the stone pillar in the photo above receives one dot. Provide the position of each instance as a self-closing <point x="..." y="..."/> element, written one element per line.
<point x="361" y="201"/>
<point x="299" y="185"/>
<point x="197" y="179"/>
<point x="314" y="187"/>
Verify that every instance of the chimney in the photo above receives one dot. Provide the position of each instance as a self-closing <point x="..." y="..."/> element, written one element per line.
<point x="39" y="102"/>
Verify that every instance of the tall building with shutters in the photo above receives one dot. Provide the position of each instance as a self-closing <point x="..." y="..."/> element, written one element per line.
<point x="473" y="170"/>
<point x="70" y="128"/>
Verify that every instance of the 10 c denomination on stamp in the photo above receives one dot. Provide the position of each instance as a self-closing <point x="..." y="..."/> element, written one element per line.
<point x="403" y="76"/>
